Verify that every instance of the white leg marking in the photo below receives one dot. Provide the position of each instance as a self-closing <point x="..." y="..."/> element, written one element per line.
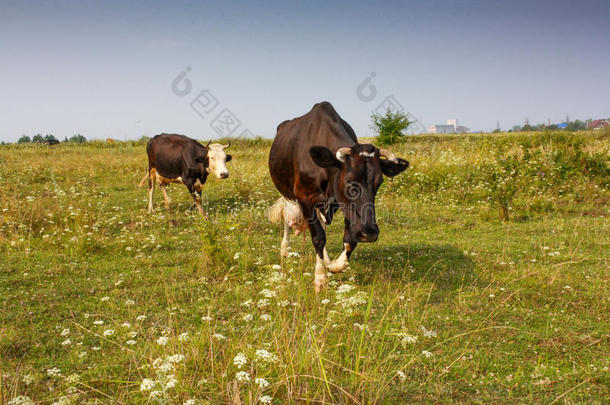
<point x="326" y="258"/>
<point x="340" y="263"/>
<point x="285" y="240"/>
<point x="321" y="279"/>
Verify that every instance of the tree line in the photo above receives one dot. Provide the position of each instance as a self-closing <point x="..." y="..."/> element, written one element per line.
<point x="49" y="138"/>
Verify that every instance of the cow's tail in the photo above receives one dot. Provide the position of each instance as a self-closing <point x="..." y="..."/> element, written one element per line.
<point x="276" y="212"/>
<point x="143" y="179"/>
<point x="284" y="210"/>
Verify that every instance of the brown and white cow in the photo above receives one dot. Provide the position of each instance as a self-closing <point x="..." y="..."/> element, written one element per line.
<point x="176" y="158"/>
<point x="316" y="162"/>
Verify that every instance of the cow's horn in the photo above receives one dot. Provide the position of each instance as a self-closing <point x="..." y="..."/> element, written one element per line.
<point x="388" y="155"/>
<point x="208" y="144"/>
<point x="342" y="152"/>
<point x="227" y="145"/>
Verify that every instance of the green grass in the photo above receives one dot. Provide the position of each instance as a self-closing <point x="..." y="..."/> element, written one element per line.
<point x="488" y="284"/>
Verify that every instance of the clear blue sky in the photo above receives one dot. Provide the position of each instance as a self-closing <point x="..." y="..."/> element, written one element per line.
<point x="104" y="69"/>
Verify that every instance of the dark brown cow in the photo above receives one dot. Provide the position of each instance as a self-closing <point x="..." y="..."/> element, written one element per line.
<point x="178" y="159"/>
<point x="316" y="160"/>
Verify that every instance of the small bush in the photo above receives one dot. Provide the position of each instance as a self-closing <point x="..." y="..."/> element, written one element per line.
<point x="390" y="127"/>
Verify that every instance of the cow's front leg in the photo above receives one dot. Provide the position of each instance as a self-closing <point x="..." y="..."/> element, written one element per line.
<point x="196" y="197"/>
<point x="349" y="244"/>
<point x="318" y="238"/>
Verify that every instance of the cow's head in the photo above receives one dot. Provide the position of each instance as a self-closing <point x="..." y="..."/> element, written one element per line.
<point x="217" y="159"/>
<point x="360" y="171"/>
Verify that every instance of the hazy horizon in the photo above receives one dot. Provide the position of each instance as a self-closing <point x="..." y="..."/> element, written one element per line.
<point x="106" y="69"/>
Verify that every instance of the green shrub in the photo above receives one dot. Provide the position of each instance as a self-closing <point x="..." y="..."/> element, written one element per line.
<point x="390" y="127"/>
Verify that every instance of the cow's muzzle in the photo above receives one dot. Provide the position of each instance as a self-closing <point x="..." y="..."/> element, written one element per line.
<point x="367" y="234"/>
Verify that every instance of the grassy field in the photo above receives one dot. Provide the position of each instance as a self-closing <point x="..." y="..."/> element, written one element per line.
<point x="488" y="284"/>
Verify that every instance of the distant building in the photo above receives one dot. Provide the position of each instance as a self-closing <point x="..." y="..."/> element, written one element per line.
<point x="563" y="125"/>
<point x="452" y="127"/>
<point x="598" y="124"/>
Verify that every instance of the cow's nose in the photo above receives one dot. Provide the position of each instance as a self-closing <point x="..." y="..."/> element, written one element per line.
<point x="365" y="237"/>
<point x="224" y="175"/>
<point x="369" y="234"/>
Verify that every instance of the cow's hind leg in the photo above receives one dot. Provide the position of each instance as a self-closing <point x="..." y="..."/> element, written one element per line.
<point x="166" y="198"/>
<point x="285" y="246"/>
<point x="152" y="179"/>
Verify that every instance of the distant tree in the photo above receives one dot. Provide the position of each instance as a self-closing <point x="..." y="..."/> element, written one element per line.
<point x="65" y="139"/>
<point x="24" y="139"/>
<point x="50" y="138"/>
<point x="576" y="125"/>
<point x="78" y="138"/>
<point x="497" y="131"/>
<point x="144" y="139"/>
<point x="390" y="127"/>
<point x="38" y="138"/>
<point x="552" y="127"/>
<point x="527" y="127"/>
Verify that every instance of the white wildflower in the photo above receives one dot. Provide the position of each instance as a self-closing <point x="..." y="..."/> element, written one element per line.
<point x="242" y="376"/>
<point x="344" y="288"/>
<point x="147" y="385"/>
<point x="54" y="372"/>
<point x="176" y="358"/>
<point x="401" y="376"/>
<point x="130" y="342"/>
<point x="21" y="400"/>
<point x="265" y="356"/>
<point x="141" y="318"/>
<point x="408" y="339"/>
<point x="129" y="302"/>
<point x="98" y="322"/>
<point x="28" y="379"/>
<point x="219" y="336"/>
<point x="240" y="360"/>
<point x="325" y="301"/>
<point x="183" y="337"/>
<point x="426" y="353"/>
<point x="265" y="399"/>
<point x="66" y="342"/>
<point x="65" y="332"/>
<point x="262" y="383"/>
<point x="171" y="383"/>
<point x="268" y="293"/>
<point x="104" y="299"/>
<point x="428" y="333"/>
<point x="162" y="341"/>
<point x="276" y="267"/>
<point x="247" y="317"/>
<point x="108" y="332"/>
<point x="265" y="317"/>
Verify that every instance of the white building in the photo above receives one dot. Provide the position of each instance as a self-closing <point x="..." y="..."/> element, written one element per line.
<point x="452" y="127"/>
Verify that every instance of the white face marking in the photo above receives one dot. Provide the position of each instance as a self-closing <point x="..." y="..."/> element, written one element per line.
<point x="367" y="154"/>
<point x="217" y="161"/>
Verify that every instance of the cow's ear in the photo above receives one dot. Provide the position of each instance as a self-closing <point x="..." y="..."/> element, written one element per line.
<point x="228" y="159"/>
<point x="323" y="157"/>
<point x="392" y="168"/>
